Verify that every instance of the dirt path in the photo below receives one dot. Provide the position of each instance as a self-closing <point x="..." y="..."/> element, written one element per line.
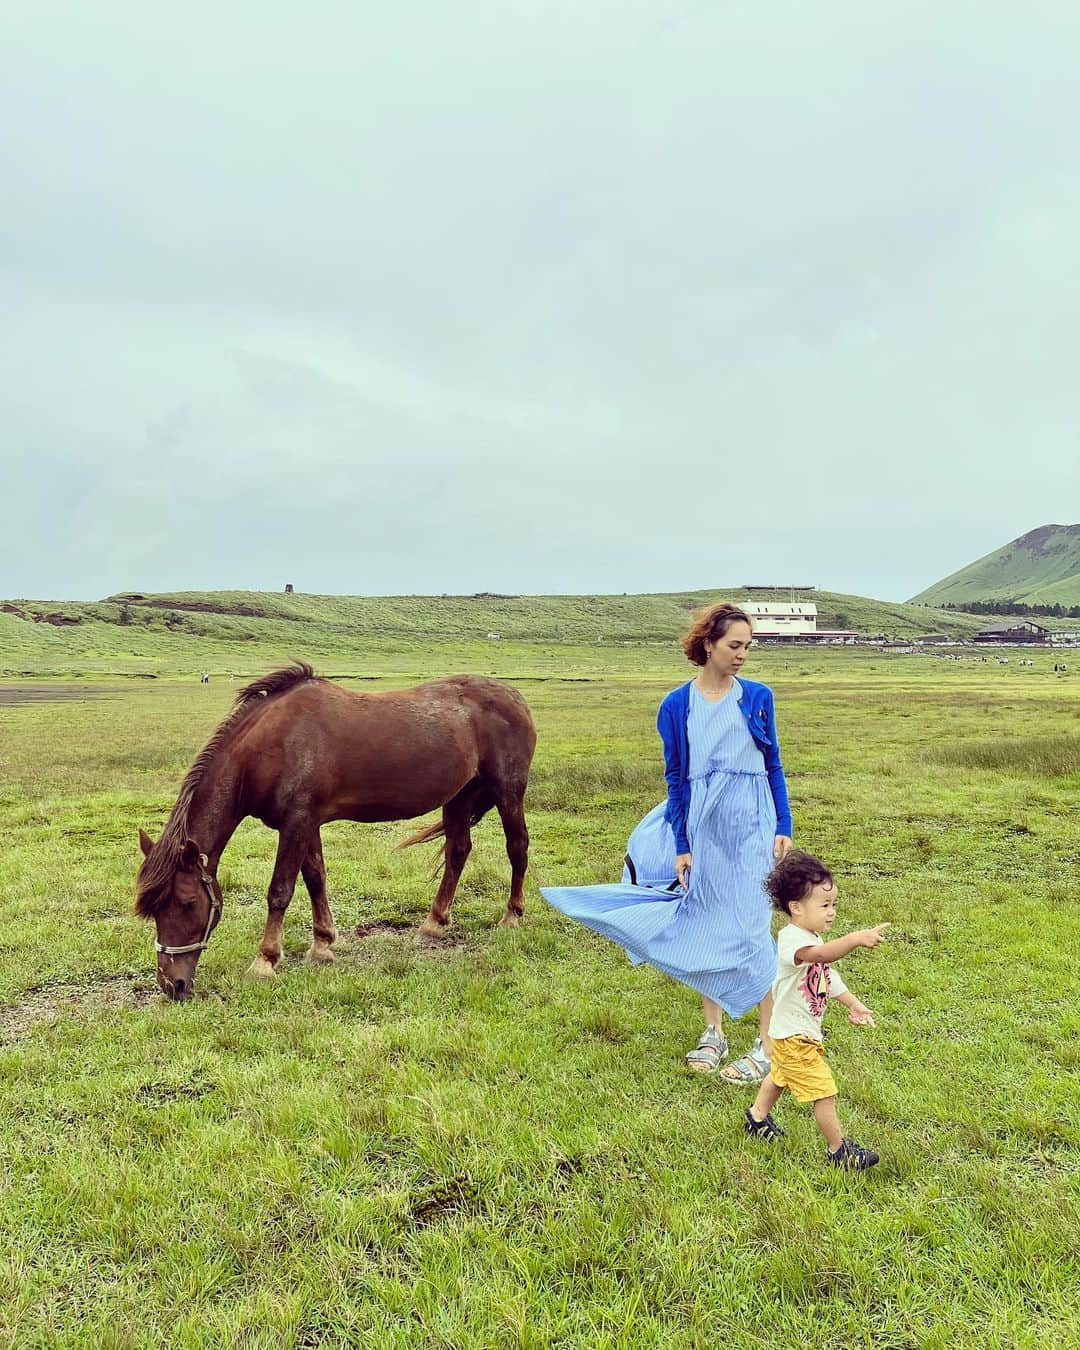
<point x="45" y="693"/>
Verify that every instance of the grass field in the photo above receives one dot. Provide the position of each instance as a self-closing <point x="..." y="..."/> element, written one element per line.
<point x="493" y="1141"/>
<point x="250" y="631"/>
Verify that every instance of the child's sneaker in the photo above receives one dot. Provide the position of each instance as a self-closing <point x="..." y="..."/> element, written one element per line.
<point x="766" y="1129"/>
<point x="852" y="1157"/>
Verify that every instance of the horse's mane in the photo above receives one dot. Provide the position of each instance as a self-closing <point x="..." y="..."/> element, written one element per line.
<point x="155" y="875"/>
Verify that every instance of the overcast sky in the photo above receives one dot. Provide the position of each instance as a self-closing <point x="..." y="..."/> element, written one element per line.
<point x="624" y="295"/>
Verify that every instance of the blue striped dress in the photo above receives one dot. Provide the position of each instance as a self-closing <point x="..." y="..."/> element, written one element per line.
<point x="715" y="936"/>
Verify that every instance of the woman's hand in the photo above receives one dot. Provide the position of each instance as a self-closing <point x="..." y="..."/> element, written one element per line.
<point x="781" y="845"/>
<point x="682" y="869"/>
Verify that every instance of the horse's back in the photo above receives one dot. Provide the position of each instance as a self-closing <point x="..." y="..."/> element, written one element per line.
<point x="499" y="718"/>
<point x="502" y="722"/>
<point x="386" y="754"/>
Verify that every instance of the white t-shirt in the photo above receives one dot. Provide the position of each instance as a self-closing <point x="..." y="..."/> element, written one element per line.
<point x="801" y="993"/>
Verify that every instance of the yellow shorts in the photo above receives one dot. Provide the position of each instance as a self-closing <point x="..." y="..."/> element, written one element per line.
<point x="798" y="1064"/>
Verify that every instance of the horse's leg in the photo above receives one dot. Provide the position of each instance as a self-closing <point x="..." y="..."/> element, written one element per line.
<point x="323" y="932"/>
<point x="456" y="816"/>
<point x="293" y="844"/>
<point x="512" y="814"/>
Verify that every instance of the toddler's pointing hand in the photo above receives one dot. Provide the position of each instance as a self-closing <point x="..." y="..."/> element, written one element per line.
<point x="870" y="937"/>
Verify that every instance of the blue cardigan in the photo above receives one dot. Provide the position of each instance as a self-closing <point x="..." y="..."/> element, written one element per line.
<point x="756" y="705"/>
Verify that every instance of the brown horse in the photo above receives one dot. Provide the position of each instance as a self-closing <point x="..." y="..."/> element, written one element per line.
<point x="297" y="751"/>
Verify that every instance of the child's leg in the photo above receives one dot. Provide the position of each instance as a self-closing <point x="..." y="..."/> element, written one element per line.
<point x="828" y="1122"/>
<point x="759" y="1121"/>
<point x="768" y="1095"/>
<point x="764" y="1018"/>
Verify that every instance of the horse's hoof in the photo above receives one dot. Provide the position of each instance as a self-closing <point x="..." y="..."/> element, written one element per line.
<point x="430" y="928"/>
<point x="509" y="920"/>
<point x="261" y="969"/>
<point x="320" y="956"/>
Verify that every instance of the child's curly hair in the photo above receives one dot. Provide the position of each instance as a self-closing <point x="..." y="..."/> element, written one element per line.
<point x="794" y="877"/>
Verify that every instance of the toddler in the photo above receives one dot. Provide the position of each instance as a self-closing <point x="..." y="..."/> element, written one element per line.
<point x="803" y="888"/>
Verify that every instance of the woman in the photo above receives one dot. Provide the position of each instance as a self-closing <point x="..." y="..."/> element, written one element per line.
<point x="691" y="903"/>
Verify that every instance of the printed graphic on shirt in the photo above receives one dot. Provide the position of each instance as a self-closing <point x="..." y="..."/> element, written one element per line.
<point x="814" y="987"/>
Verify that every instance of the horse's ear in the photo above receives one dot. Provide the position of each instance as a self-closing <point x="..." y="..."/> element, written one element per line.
<point x="145" y="843"/>
<point x="189" y="856"/>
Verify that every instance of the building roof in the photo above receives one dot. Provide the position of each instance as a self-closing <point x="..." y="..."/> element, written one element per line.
<point x="769" y="607"/>
<point x="1015" y="626"/>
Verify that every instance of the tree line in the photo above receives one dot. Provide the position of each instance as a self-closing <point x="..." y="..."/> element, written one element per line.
<point x="1016" y="607"/>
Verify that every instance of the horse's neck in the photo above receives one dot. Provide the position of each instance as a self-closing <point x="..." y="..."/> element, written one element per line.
<point x="214" y="815"/>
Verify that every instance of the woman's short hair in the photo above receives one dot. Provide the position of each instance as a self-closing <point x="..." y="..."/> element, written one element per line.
<point x="794" y="877"/>
<point x="710" y="625"/>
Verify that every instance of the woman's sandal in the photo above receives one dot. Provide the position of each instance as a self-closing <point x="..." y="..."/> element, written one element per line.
<point x="749" y="1069"/>
<point x="709" y="1053"/>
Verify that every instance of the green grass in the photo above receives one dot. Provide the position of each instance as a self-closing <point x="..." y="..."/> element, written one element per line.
<point x="246" y="632"/>
<point x="493" y="1142"/>
<point x="1032" y="756"/>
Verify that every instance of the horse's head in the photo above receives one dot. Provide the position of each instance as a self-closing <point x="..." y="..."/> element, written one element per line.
<point x="177" y="889"/>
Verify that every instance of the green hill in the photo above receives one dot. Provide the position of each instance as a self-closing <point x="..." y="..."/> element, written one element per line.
<point x="1040" y="568"/>
<point x="248" y="631"/>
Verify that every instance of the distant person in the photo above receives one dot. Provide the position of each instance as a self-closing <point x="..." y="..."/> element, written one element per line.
<point x="802" y="887"/>
<point x="691" y="902"/>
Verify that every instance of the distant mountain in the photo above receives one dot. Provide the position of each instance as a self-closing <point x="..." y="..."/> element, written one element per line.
<point x="1042" y="567"/>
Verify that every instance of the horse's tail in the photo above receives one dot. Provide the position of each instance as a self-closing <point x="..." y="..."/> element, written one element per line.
<point x="482" y="804"/>
<point x="433" y="831"/>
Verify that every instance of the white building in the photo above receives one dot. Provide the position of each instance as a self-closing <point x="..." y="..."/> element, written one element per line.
<point x="781" y="618"/>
